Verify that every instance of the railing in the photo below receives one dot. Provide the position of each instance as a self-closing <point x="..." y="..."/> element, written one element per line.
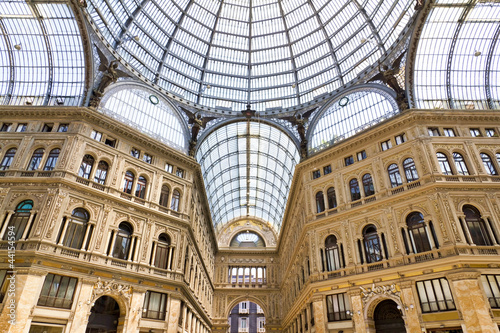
<point x="450" y="251"/>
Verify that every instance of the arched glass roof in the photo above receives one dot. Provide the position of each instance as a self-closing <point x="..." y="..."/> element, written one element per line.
<point x="247" y="168"/>
<point x="270" y="53"/>
<point x="349" y="114"/>
<point x="41" y="55"/>
<point x="147" y="112"/>
<point x="457" y="64"/>
<point x="247" y="239"/>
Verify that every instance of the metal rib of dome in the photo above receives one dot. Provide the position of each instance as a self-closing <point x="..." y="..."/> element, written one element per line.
<point x="270" y="53"/>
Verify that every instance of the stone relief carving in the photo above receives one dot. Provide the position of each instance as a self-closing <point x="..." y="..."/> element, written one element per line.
<point x="368" y="293"/>
<point x="149" y="225"/>
<point x="110" y="288"/>
<point x="102" y="226"/>
<point x="55" y="215"/>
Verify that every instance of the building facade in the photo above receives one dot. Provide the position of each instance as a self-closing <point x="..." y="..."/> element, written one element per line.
<point x="368" y="201"/>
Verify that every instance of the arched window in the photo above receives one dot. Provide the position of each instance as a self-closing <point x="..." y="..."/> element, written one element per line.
<point x="320" y="202"/>
<point x="488" y="164"/>
<point x="460" y="164"/>
<point x="444" y="164"/>
<point x="36" y="158"/>
<point x="101" y="172"/>
<point x="128" y="182"/>
<point x="50" y="164"/>
<point x="477" y="226"/>
<point x="122" y="241"/>
<point x="368" y="185"/>
<point x="7" y="159"/>
<point x="86" y="166"/>
<point x="140" y="190"/>
<point x="165" y="193"/>
<point x="163" y="255"/>
<point x="354" y="187"/>
<point x="332" y="254"/>
<point x="410" y="170"/>
<point x="418" y="232"/>
<point x="373" y="250"/>
<point x="176" y="197"/>
<point x="394" y="175"/>
<point x="74" y="233"/>
<point x="332" y="198"/>
<point x="19" y="220"/>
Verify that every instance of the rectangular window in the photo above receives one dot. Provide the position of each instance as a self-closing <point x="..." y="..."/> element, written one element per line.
<point x="179" y="173"/>
<point x="491" y="286"/>
<point x="433" y="131"/>
<point x="6" y="127"/>
<point x="243" y="325"/>
<point x="386" y="145"/>
<point x="361" y="155"/>
<point x="327" y="169"/>
<point x="147" y="158"/>
<point x="63" y="128"/>
<point x="475" y="132"/>
<point x="490" y="132"/>
<point x="316" y="174"/>
<point x="348" y="160"/>
<point x="21" y="127"/>
<point x="448" y="132"/>
<point x="169" y="168"/>
<point x="435" y="295"/>
<point x="154" y="305"/>
<point x="96" y="135"/>
<point x="110" y="142"/>
<point x="243" y="307"/>
<point x="261" y="321"/>
<point x="135" y="152"/>
<point x="338" y="307"/>
<point x="47" y="127"/>
<point x="57" y="291"/>
<point x="400" y="138"/>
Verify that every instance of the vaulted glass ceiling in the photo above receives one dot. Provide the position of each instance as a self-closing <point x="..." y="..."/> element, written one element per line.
<point x="247" y="168"/>
<point x="270" y="53"/>
<point x="458" y="56"/>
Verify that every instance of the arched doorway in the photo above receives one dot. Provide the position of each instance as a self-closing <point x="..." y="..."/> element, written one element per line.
<point x="246" y="317"/>
<point x="388" y="318"/>
<point x="104" y="316"/>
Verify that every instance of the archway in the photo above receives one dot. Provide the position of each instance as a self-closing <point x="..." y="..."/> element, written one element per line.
<point x="104" y="316"/>
<point x="246" y="317"/>
<point x="388" y="318"/>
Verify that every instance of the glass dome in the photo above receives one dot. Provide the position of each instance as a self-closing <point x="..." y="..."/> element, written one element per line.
<point x="274" y="54"/>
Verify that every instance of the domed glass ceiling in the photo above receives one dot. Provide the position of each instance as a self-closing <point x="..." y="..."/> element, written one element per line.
<point x="270" y="53"/>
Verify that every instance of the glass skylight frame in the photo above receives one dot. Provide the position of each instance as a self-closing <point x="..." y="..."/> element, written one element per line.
<point x="457" y="62"/>
<point x="283" y="55"/>
<point x="41" y="55"/>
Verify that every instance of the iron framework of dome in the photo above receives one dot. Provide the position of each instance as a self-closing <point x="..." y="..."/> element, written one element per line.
<point x="273" y="54"/>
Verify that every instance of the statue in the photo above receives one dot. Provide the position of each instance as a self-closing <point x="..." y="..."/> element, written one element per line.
<point x="111" y="75"/>
<point x="300" y="121"/>
<point x="388" y="76"/>
<point x="198" y="122"/>
<point x="419" y="4"/>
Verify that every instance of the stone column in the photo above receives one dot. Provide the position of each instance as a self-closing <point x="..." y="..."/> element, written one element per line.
<point x="357" y="311"/>
<point x="19" y="300"/>
<point x="173" y="315"/>
<point x="412" y="322"/>
<point x="471" y="302"/>
<point x="82" y="309"/>
<point x="319" y="313"/>
<point x="133" y="317"/>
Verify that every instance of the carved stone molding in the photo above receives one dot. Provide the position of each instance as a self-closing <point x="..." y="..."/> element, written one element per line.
<point x="464" y="275"/>
<point x="110" y="288"/>
<point x="368" y="293"/>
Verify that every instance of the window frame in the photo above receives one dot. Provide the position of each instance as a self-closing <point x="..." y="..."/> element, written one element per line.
<point x="47" y="288"/>
<point x="160" y="311"/>
<point x="442" y="304"/>
<point x="340" y="302"/>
